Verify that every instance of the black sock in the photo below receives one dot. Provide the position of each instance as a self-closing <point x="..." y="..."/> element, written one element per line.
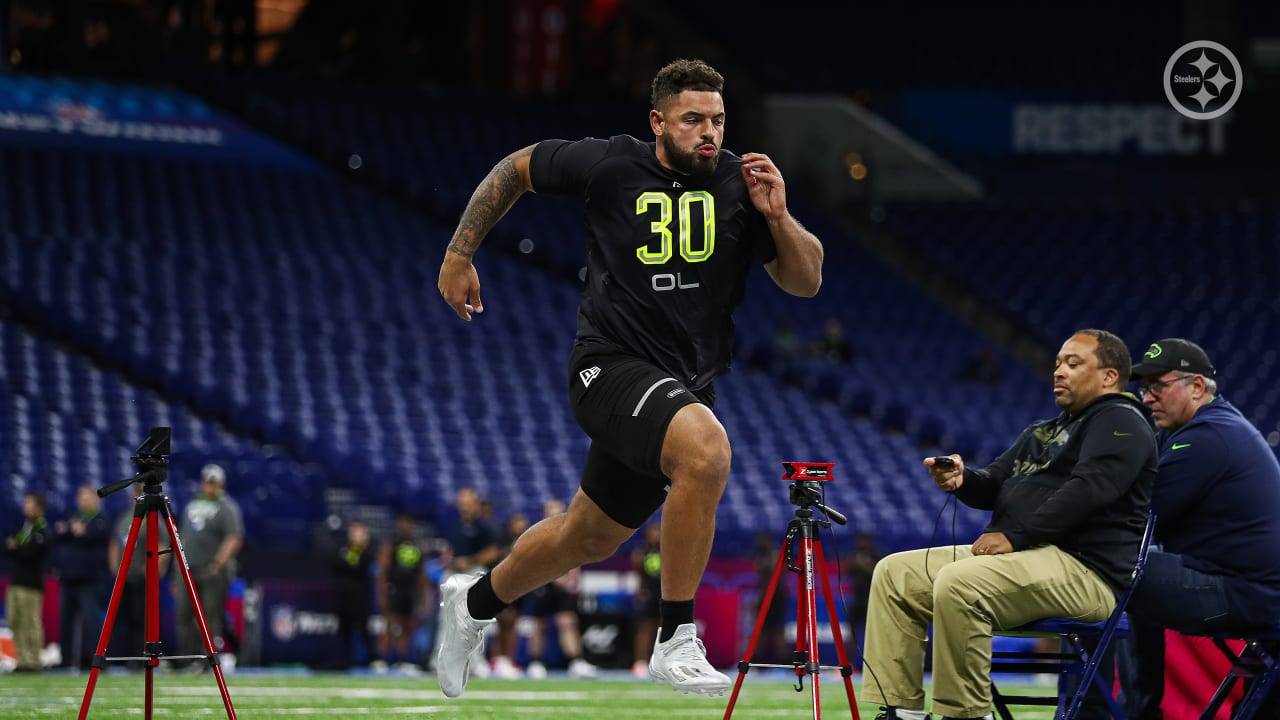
<point x="673" y="614"/>
<point x="482" y="602"/>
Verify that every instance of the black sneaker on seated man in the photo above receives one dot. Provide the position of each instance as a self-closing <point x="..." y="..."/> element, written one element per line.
<point x="892" y="713"/>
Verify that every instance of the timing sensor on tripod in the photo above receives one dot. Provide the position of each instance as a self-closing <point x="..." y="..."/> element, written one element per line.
<point x="806" y="486"/>
<point x="794" y="470"/>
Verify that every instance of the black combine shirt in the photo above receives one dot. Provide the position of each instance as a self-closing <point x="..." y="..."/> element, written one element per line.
<point x="667" y="254"/>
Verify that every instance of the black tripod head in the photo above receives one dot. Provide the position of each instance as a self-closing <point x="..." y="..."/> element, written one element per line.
<point x="152" y="462"/>
<point x="807" y="490"/>
<point x="806" y="493"/>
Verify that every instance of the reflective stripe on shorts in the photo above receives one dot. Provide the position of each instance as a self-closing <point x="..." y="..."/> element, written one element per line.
<point x="649" y="392"/>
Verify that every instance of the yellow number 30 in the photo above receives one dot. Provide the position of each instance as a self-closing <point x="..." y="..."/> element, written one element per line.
<point x="662" y="226"/>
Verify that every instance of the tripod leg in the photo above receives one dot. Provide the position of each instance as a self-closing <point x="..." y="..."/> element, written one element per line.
<point x="117" y="590"/>
<point x="846" y="669"/>
<point x="765" y="601"/>
<point x="807" y="626"/>
<point x="151" y="634"/>
<point x="185" y="571"/>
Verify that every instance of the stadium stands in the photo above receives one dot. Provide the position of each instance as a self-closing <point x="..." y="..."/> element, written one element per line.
<point x="288" y="323"/>
<point x="70" y="422"/>
<point x="398" y="140"/>
<point x="1199" y="271"/>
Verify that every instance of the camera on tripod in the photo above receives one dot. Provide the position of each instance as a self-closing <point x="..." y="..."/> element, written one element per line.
<point x="152" y="457"/>
<point x="151" y="460"/>
<point x="806" y="493"/>
<point x="801" y="553"/>
<point x="152" y="512"/>
<point x="806" y="486"/>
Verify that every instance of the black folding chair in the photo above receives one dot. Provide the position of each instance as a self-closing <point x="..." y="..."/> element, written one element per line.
<point x="1079" y="655"/>
<point x="1256" y="661"/>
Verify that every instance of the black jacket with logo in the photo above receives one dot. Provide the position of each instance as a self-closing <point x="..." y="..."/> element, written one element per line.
<point x="30" y="554"/>
<point x="1081" y="482"/>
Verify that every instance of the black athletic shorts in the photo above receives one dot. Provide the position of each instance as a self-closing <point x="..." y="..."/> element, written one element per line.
<point x="625" y="404"/>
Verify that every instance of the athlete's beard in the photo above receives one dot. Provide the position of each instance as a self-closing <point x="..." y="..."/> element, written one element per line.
<point x="689" y="163"/>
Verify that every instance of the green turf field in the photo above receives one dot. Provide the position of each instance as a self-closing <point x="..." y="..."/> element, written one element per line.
<point x="286" y="697"/>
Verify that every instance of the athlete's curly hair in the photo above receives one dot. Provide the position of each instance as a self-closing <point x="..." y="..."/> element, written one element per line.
<point x="682" y="75"/>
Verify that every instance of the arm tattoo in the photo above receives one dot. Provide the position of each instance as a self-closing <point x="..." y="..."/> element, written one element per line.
<point x="491" y="200"/>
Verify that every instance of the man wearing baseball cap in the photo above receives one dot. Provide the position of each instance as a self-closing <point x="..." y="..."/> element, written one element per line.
<point x="212" y="531"/>
<point x="1217" y="502"/>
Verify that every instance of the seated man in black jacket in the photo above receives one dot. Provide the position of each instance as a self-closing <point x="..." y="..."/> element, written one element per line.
<point x="1068" y="508"/>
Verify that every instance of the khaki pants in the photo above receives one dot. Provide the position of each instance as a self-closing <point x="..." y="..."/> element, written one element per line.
<point x="23" y="607"/>
<point x="964" y="596"/>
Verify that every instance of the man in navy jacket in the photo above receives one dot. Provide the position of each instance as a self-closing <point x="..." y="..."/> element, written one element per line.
<point x="1217" y="502"/>
<point x="82" y="542"/>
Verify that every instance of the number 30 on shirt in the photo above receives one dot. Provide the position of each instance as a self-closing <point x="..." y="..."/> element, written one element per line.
<point x="705" y="215"/>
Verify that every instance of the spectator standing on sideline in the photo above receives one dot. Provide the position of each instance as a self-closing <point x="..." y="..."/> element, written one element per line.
<point x="24" y="600"/>
<point x="82" y="571"/>
<point x="402" y="593"/>
<point x="352" y="571"/>
<point x="212" y="532"/>
<point x="473" y="540"/>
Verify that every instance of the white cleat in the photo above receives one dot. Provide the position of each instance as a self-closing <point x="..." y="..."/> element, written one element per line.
<point x="460" y="635"/>
<point x="681" y="662"/>
<point x="536" y="671"/>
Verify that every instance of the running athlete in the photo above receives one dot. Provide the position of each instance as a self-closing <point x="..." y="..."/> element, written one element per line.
<point x="673" y="228"/>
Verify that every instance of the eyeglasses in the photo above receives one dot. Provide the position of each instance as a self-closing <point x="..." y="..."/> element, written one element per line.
<point x="1157" y="388"/>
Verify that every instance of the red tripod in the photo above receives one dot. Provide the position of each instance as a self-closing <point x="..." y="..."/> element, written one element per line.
<point x="152" y="461"/>
<point x="806" y="493"/>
